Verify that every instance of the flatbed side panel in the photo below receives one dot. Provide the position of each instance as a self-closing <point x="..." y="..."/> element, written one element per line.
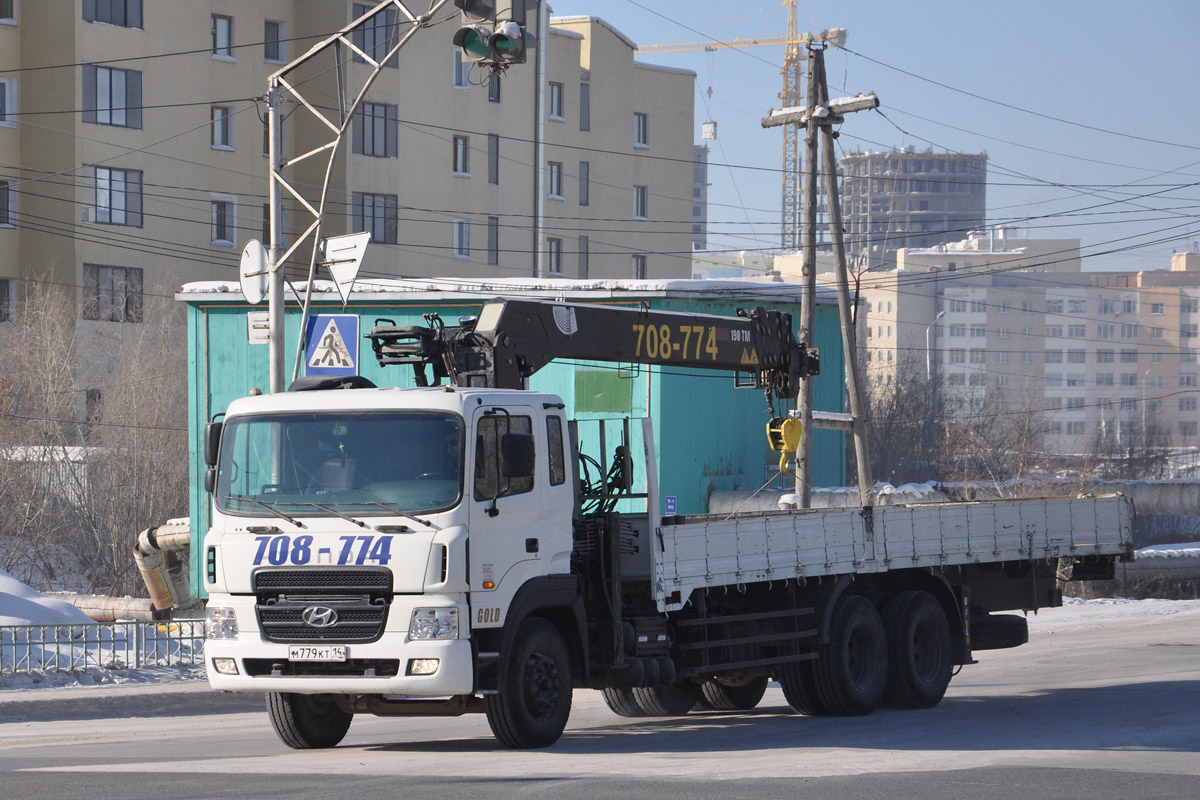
<point x="807" y="544"/>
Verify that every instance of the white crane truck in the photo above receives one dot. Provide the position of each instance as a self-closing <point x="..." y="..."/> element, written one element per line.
<point x="437" y="550"/>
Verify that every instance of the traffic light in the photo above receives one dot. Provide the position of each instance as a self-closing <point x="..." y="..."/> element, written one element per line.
<point x="508" y="37"/>
<point x="478" y="25"/>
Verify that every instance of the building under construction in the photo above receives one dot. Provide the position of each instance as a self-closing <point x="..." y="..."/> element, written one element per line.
<point x="903" y="198"/>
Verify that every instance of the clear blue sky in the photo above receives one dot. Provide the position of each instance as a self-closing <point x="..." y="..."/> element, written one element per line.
<point x="1109" y="72"/>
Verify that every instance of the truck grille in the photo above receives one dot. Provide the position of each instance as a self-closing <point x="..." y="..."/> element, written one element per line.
<point x="358" y="598"/>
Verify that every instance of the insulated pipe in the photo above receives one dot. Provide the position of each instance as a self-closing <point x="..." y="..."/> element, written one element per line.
<point x="102" y="608"/>
<point x="162" y="570"/>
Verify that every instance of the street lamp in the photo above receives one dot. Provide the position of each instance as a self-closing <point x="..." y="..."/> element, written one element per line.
<point x="929" y="349"/>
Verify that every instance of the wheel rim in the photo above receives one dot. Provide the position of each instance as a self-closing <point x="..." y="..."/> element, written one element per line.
<point x="926" y="651"/>
<point x="543" y="684"/>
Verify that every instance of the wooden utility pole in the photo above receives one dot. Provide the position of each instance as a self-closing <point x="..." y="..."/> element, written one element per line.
<point x="819" y="116"/>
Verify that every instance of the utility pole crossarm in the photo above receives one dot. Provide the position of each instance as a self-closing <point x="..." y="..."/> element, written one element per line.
<point x="831" y="113"/>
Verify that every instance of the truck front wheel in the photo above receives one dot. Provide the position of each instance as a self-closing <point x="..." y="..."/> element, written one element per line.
<point x="307" y="721"/>
<point x="919" y="647"/>
<point x="851" y="670"/>
<point x="534" y="701"/>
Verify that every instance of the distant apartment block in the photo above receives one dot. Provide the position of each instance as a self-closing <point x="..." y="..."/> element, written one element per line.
<point x="908" y="199"/>
<point x="1101" y="355"/>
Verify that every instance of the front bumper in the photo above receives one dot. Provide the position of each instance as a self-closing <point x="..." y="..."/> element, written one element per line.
<point x="379" y="667"/>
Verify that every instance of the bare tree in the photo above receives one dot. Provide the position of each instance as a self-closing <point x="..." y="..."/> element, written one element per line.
<point x="91" y="450"/>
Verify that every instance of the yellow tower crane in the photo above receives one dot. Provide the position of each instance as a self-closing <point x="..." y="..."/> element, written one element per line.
<point x="790" y="97"/>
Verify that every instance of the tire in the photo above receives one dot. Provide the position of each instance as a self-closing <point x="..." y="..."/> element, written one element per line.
<point x="670" y="700"/>
<point x="722" y="697"/>
<point x="534" y="702"/>
<point x="800" y="689"/>
<point x="919" y="650"/>
<point x="851" y="670"/>
<point x="998" y="631"/>
<point x="622" y="702"/>
<point x="307" y="721"/>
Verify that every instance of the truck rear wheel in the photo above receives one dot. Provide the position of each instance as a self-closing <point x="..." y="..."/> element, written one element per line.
<point x="800" y="689"/>
<point x="307" y="721"/>
<point x="622" y="702"/>
<point x="669" y="700"/>
<point x="743" y="697"/>
<point x="851" y="670"/>
<point x="534" y="702"/>
<point x="919" y="648"/>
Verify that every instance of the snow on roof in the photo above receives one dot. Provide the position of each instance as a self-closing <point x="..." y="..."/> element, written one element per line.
<point x="554" y="288"/>
<point x="21" y="605"/>
<point x="577" y="18"/>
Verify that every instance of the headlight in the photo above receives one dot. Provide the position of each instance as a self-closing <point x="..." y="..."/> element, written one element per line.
<point x="434" y="623"/>
<point x="220" y="623"/>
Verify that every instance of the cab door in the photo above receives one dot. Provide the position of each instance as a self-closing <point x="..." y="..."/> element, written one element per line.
<point x="505" y="517"/>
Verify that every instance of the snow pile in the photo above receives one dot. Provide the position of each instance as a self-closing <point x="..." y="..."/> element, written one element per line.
<point x="1180" y="550"/>
<point x="21" y="605"/>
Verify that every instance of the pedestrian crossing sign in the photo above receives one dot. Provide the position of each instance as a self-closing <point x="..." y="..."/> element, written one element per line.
<point x="332" y="345"/>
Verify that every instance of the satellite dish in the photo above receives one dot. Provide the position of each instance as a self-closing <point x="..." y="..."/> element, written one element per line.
<point x="343" y="256"/>
<point x="254" y="273"/>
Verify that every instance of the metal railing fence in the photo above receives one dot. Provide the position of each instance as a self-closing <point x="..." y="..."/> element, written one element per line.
<point x="100" y="645"/>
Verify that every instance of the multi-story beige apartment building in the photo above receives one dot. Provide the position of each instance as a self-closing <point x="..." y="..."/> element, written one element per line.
<point x="1101" y="355"/>
<point x="134" y="151"/>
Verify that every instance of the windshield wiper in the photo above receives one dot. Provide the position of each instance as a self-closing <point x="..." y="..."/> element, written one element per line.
<point x="268" y="507"/>
<point x="399" y="513"/>
<point x="336" y="513"/>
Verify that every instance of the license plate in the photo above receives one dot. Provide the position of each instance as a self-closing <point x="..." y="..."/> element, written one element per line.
<point x="323" y="653"/>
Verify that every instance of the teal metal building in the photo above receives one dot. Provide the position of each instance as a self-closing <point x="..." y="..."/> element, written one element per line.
<point x="708" y="433"/>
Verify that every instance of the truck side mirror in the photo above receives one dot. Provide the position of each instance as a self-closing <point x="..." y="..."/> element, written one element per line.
<point x="210" y="479"/>
<point x="212" y="442"/>
<point x="516" y="455"/>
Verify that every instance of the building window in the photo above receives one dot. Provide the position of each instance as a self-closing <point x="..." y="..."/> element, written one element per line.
<point x="125" y="13"/>
<point x="1129" y="356"/>
<point x="1156" y="333"/>
<point x="1054" y="356"/>
<point x="554" y="104"/>
<point x="6" y="205"/>
<point x="1188" y="331"/>
<point x="376" y="213"/>
<point x="583" y="257"/>
<point x="1103" y="379"/>
<point x="1077" y="331"/>
<point x="640" y="202"/>
<point x="554" y="253"/>
<point x="112" y="294"/>
<point x="585" y="106"/>
<point x="118" y="197"/>
<point x="274" y="34"/>
<point x="462" y="156"/>
<point x="493" y="84"/>
<point x="8" y="101"/>
<point x="112" y="96"/>
<point x="1187" y="429"/>
<point x="462" y="73"/>
<point x="1104" y="356"/>
<point x="1002" y="333"/>
<point x="1187" y="404"/>
<point x="1105" y="330"/>
<point x="222" y="36"/>
<point x="8" y="12"/>
<point x="222" y="128"/>
<point x="978" y="356"/>
<point x="554" y="179"/>
<point x="224" y="220"/>
<point x="1076" y="356"/>
<point x="493" y="159"/>
<point x="376" y="36"/>
<point x="639" y="267"/>
<point x="8" y="300"/>
<point x="1128" y="379"/>
<point x="1129" y="331"/>
<point x="641" y="130"/>
<point x="1077" y="306"/>
<point x="1156" y="309"/>
<point x="1189" y="305"/>
<point x="1054" y="306"/>
<point x="376" y="127"/>
<point x="585" y="179"/>
<point x="493" y="240"/>
<point x="462" y="238"/>
<point x="1076" y="428"/>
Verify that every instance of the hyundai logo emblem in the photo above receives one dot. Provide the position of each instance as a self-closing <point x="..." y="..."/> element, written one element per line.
<point x="319" y="616"/>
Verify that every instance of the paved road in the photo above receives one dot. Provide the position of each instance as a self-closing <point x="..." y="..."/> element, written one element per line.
<point x="1106" y="709"/>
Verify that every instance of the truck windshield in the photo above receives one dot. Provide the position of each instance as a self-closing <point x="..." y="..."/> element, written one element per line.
<point x="324" y="464"/>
